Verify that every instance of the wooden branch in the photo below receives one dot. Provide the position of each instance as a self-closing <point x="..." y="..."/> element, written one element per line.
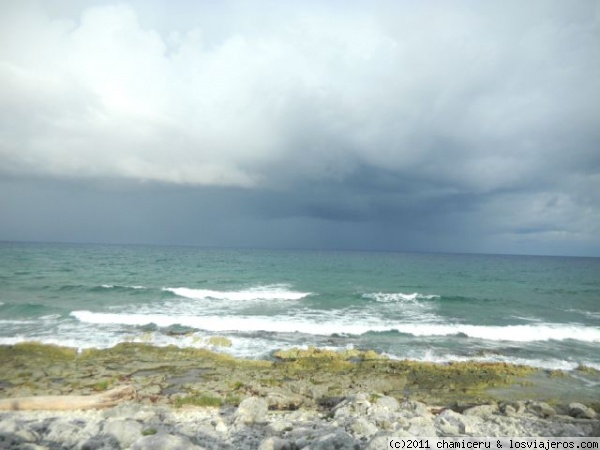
<point x="69" y="402"/>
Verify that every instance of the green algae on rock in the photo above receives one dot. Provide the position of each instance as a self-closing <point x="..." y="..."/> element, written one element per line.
<point x="295" y="378"/>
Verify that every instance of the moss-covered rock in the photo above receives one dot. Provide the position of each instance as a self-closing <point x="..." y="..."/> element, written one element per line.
<point x="295" y="378"/>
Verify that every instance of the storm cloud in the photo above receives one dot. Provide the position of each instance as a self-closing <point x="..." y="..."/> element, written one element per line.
<point x="451" y="126"/>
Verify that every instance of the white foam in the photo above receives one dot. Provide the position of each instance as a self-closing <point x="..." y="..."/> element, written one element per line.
<point x="328" y="324"/>
<point x="50" y="317"/>
<point x="271" y="292"/>
<point x="111" y="286"/>
<point x="550" y="364"/>
<point x="514" y="333"/>
<point x="390" y="297"/>
<point x="16" y="322"/>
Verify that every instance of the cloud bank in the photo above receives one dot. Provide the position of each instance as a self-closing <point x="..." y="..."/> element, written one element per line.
<point x="470" y="115"/>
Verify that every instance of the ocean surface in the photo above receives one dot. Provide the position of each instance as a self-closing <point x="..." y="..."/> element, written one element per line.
<point x="538" y="311"/>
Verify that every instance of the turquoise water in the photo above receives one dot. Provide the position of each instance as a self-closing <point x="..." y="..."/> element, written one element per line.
<point x="539" y="311"/>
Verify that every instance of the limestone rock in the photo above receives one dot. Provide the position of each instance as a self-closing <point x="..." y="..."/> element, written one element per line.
<point x="481" y="410"/>
<point x="164" y="442"/>
<point x="339" y="440"/>
<point x="274" y="443"/>
<point x="385" y="404"/>
<point x="363" y="427"/>
<point x="355" y="405"/>
<point x="580" y="411"/>
<point x="454" y="422"/>
<point x="414" y="408"/>
<point x="126" y="432"/>
<point x="252" y="410"/>
<point x="541" y="409"/>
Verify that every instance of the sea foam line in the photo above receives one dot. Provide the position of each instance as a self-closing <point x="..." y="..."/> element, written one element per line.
<point x="348" y="325"/>
<point x="274" y="292"/>
<point x="385" y="297"/>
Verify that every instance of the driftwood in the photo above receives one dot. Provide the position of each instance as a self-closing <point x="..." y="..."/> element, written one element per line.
<point x="69" y="402"/>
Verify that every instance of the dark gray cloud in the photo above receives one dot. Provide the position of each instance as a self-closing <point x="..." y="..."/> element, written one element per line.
<point x="441" y="125"/>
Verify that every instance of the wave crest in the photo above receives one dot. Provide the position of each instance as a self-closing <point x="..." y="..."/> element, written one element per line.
<point x="392" y="297"/>
<point x="270" y="292"/>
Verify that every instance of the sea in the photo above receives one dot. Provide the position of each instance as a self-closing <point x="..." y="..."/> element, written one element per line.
<point x="532" y="310"/>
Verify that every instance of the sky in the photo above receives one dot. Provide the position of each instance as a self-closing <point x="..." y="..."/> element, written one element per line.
<point x="444" y="126"/>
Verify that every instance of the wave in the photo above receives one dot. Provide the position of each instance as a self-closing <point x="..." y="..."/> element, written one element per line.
<point x="328" y="326"/>
<point x="549" y="364"/>
<point x="270" y="292"/>
<point x="116" y="286"/>
<point x="384" y="297"/>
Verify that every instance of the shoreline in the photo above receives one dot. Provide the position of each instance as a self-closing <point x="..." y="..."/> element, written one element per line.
<point x="355" y="396"/>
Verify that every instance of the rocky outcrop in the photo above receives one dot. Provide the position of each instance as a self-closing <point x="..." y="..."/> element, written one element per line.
<point x="361" y="421"/>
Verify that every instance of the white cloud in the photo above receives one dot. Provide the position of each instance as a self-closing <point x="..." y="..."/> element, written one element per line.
<point x="480" y="97"/>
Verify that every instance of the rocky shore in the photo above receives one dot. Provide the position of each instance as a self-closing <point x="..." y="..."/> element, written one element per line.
<point x="302" y="399"/>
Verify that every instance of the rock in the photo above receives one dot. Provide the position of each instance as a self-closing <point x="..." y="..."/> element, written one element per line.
<point x="8" y="425"/>
<point x="580" y="411"/>
<point x="279" y="401"/>
<point x="27" y="435"/>
<point x="64" y="432"/>
<point x="385" y="405"/>
<point x="481" y="410"/>
<point x="414" y="408"/>
<point x="164" y="442"/>
<point x="221" y="427"/>
<point x="279" y="427"/>
<point x="274" y="443"/>
<point x="513" y="408"/>
<point x="355" y="405"/>
<point x="541" y="409"/>
<point x="33" y="447"/>
<point x="379" y="442"/>
<point x="99" y="443"/>
<point x="421" y="426"/>
<point x="126" y="432"/>
<point x="339" y="440"/>
<point x="252" y="410"/>
<point x="447" y="428"/>
<point x="363" y="427"/>
<point x="453" y="421"/>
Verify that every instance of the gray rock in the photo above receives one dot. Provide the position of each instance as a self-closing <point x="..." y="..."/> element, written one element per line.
<point x="99" y="443"/>
<point x="252" y="410"/>
<point x="580" y="411"/>
<point x="421" y="426"/>
<point x="355" y="405"/>
<point x="338" y="440"/>
<point x="452" y="421"/>
<point x="512" y="409"/>
<point x="363" y="427"/>
<point x="8" y="425"/>
<point x="385" y="405"/>
<point x="379" y="442"/>
<point x="27" y="435"/>
<point x="279" y="427"/>
<point x="164" y="442"/>
<point x="65" y="432"/>
<point x="280" y="401"/>
<point x="447" y="428"/>
<point x="126" y="432"/>
<point x="541" y="409"/>
<point x="274" y="443"/>
<point x="30" y="446"/>
<point x="481" y="410"/>
<point x="413" y="408"/>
